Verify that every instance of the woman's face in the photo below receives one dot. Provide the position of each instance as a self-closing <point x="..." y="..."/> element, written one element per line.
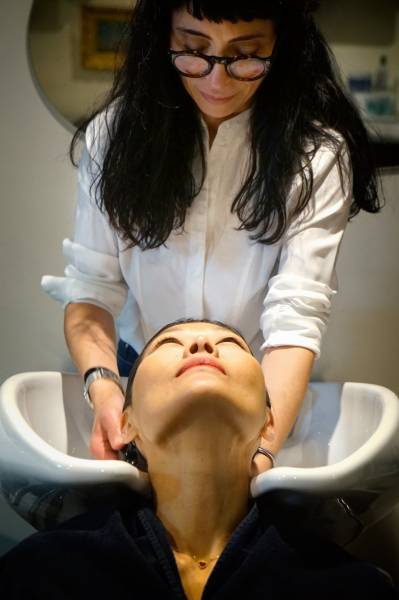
<point x="172" y="395"/>
<point x="218" y="95"/>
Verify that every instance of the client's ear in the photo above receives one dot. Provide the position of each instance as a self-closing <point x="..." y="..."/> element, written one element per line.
<point x="128" y="429"/>
<point x="261" y="463"/>
<point x="267" y="431"/>
<point x="131" y="453"/>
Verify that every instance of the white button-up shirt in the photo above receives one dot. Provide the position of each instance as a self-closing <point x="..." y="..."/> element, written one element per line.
<point x="275" y="295"/>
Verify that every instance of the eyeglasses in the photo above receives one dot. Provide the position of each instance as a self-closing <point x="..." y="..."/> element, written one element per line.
<point x="244" y="68"/>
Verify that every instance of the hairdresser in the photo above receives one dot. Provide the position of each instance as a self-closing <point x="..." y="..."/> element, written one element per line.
<point x="215" y="181"/>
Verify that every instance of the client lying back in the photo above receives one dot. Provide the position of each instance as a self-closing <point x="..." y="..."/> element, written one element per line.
<point x="196" y="415"/>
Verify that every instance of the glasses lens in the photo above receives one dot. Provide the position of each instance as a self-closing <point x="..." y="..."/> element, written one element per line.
<point x="191" y="65"/>
<point x="250" y="68"/>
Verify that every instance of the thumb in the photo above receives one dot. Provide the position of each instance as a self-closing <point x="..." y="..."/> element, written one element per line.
<point x="115" y="434"/>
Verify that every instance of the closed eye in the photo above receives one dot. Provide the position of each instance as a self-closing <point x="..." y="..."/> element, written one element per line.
<point x="189" y="49"/>
<point x="234" y="340"/>
<point x="166" y="341"/>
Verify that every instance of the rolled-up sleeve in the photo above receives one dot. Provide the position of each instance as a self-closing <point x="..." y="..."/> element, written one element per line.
<point x="93" y="273"/>
<point x="298" y="301"/>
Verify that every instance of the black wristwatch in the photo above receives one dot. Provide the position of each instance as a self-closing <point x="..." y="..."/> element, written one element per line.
<point x="98" y="373"/>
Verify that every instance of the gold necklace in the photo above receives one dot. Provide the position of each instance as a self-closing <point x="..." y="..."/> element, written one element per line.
<point x="202" y="564"/>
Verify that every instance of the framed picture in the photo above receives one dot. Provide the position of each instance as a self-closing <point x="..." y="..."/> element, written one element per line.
<point x="101" y="33"/>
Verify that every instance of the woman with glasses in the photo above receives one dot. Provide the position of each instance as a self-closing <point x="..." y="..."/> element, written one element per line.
<point x="195" y="414"/>
<point x="216" y="181"/>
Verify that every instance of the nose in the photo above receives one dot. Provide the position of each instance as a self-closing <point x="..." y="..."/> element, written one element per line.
<point x="218" y="77"/>
<point x="203" y="343"/>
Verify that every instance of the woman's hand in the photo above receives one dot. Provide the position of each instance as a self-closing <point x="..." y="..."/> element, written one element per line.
<point x="90" y="335"/>
<point x="106" y="438"/>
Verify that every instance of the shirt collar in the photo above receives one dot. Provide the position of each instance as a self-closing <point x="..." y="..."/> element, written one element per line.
<point x="240" y="120"/>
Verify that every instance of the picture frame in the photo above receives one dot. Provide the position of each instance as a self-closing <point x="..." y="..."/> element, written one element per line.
<point x="101" y="32"/>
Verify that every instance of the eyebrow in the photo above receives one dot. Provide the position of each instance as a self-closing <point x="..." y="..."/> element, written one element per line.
<point x="241" y="38"/>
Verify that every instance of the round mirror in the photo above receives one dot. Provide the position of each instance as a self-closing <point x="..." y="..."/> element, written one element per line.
<point x="72" y="46"/>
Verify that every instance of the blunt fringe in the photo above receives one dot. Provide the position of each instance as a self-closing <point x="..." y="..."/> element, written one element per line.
<point x="145" y="181"/>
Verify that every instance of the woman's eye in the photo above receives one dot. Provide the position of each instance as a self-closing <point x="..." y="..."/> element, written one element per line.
<point x="245" y="51"/>
<point x="189" y="49"/>
<point x="231" y="339"/>
<point x="169" y="340"/>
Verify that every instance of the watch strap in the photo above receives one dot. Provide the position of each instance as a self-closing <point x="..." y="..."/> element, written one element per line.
<point x="98" y="373"/>
<point x="90" y="371"/>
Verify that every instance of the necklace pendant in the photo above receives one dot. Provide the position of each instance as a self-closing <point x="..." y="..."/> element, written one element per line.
<point x="202" y="564"/>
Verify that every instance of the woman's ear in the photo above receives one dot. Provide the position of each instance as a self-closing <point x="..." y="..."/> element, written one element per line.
<point x="267" y="431"/>
<point x="261" y="463"/>
<point x="128" y="429"/>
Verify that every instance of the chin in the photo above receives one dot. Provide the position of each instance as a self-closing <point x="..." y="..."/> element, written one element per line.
<point x="204" y="105"/>
<point x="218" y="112"/>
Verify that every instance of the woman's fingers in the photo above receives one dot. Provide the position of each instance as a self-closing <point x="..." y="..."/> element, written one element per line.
<point x="106" y="437"/>
<point x="111" y="423"/>
<point x="101" y="449"/>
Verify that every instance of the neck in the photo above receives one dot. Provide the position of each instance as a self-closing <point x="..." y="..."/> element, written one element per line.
<point x="213" y="123"/>
<point x="202" y="493"/>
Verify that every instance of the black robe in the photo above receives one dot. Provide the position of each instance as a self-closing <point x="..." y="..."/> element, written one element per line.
<point x="122" y="552"/>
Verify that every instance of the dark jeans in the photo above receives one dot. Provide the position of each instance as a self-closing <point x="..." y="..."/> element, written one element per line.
<point x="126" y="356"/>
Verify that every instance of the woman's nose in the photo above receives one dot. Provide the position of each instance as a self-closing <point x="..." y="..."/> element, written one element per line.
<point x="203" y="344"/>
<point x="218" y="76"/>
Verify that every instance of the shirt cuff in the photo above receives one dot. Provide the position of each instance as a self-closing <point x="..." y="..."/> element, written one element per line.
<point x="289" y="339"/>
<point x="296" y="312"/>
<point x="74" y="288"/>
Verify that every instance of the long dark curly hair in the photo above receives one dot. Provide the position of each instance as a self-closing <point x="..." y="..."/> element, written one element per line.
<point x="145" y="180"/>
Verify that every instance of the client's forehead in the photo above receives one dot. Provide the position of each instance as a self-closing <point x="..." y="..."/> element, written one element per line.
<point x="202" y="327"/>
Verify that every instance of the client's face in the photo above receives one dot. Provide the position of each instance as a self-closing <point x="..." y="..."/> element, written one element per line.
<point x="197" y="377"/>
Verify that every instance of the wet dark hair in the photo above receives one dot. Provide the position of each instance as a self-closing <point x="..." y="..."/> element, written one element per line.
<point x="146" y="182"/>
<point x="130" y="452"/>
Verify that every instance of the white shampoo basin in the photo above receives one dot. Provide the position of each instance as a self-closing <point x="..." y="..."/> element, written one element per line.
<point x="338" y="472"/>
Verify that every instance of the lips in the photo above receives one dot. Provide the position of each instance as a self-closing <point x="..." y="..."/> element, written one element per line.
<point x="200" y="360"/>
<point x="216" y="99"/>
